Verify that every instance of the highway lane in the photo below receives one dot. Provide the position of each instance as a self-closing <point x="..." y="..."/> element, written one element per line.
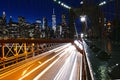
<point x="53" y="71"/>
<point x="66" y="68"/>
<point x="20" y="71"/>
<point x="6" y="69"/>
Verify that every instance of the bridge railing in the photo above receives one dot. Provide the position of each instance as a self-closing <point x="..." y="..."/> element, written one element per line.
<point x="16" y="50"/>
<point x="87" y="73"/>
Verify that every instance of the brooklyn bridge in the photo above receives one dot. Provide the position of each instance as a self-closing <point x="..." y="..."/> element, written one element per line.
<point x="34" y="51"/>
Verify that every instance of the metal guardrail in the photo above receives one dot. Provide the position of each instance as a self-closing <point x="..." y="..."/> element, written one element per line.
<point x="89" y="72"/>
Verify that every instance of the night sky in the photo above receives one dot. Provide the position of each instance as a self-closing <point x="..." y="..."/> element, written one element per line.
<point x="37" y="9"/>
<point x="31" y="9"/>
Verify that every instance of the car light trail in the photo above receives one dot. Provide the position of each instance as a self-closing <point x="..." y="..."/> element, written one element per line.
<point x="73" y="69"/>
<point x="63" y="69"/>
<point x="80" y="65"/>
<point x="43" y="72"/>
<point x="39" y="66"/>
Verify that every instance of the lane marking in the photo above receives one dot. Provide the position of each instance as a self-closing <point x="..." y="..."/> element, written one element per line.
<point x="25" y="71"/>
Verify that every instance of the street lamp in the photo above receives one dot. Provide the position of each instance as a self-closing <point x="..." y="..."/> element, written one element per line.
<point x="83" y="18"/>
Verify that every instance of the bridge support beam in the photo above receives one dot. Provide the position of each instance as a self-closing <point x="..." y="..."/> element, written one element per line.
<point x="3" y="54"/>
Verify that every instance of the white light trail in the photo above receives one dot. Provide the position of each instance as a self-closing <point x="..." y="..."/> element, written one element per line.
<point x="33" y="60"/>
<point x="45" y="70"/>
<point x="39" y="66"/>
<point x="78" y="44"/>
<point x="81" y="64"/>
<point x="62" y="73"/>
<point x="62" y="70"/>
<point x="73" y="69"/>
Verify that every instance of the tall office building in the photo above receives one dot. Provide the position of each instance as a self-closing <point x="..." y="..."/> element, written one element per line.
<point x="54" y="21"/>
<point x="44" y="27"/>
<point x="44" y="22"/>
<point x="4" y="18"/>
<point x="21" y="20"/>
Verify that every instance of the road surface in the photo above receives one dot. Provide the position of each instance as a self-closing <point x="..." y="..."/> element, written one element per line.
<point x="62" y="63"/>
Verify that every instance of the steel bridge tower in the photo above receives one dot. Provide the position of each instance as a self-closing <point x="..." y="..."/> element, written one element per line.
<point x="94" y="15"/>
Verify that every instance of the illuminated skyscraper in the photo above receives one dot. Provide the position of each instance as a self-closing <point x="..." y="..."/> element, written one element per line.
<point x="43" y="25"/>
<point x="54" y="21"/>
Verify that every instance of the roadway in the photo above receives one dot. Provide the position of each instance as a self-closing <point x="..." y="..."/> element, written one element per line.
<point x="62" y="63"/>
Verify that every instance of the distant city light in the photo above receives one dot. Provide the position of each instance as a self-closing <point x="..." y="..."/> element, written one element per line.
<point x="3" y="12"/>
<point x="38" y="21"/>
<point x="10" y="16"/>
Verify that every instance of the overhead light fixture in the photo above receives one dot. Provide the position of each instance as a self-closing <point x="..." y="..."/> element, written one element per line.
<point x="59" y="2"/>
<point x="62" y="4"/>
<point x="81" y="2"/>
<point x="102" y="3"/>
<point x="55" y="0"/>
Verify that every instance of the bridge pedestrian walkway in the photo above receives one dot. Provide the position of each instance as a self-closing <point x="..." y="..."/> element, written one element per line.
<point x="103" y="67"/>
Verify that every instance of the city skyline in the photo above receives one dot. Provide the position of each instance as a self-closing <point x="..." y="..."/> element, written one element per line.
<point x="31" y="10"/>
<point x="37" y="9"/>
